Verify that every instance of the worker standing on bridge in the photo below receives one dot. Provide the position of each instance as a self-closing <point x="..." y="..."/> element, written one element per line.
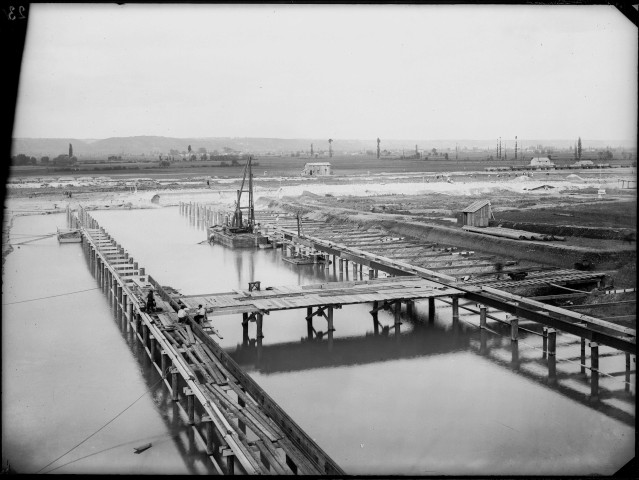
<point x="150" y="301"/>
<point x="182" y="314"/>
<point x="200" y="315"/>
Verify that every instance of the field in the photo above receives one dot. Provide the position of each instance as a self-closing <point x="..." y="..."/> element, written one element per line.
<point x="427" y="192"/>
<point x="284" y="166"/>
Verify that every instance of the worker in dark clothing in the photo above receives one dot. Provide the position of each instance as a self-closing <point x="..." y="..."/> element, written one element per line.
<point x="200" y="315"/>
<point x="150" y="302"/>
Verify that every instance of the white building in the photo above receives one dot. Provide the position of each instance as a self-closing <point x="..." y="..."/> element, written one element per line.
<point x="541" y="162"/>
<point x="318" y="169"/>
<point x="584" y="163"/>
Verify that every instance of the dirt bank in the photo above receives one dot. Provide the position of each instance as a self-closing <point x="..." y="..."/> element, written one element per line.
<point x="545" y="253"/>
<point x="567" y="230"/>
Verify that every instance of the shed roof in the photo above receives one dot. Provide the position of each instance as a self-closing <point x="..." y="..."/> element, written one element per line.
<point x="473" y="207"/>
<point x="319" y="164"/>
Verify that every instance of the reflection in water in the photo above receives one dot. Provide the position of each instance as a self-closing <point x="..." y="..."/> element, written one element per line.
<point x="425" y="339"/>
<point x="423" y="401"/>
<point x="79" y="372"/>
<point x="514" y="361"/>
<point x="195" y="459"/>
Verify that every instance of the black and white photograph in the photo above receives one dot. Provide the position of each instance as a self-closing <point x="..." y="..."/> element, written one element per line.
<point x="319" y="239"/>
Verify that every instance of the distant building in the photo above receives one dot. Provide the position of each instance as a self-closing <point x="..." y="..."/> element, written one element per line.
<point x="583" y="164"/>
<point x="317" y="169"/>
<point x="541" y="162"/>
<point x="477" y="214"/>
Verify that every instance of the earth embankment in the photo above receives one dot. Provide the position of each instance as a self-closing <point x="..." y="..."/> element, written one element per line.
<point x="545" y="253"/>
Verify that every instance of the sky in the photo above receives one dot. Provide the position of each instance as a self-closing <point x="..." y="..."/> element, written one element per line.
<point x="331" y="71"/>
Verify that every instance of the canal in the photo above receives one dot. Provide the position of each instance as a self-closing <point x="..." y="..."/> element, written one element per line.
<point x="426" y="404"/>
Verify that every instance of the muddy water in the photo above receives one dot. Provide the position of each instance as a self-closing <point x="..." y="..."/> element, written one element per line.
<point x="426" y="404"/>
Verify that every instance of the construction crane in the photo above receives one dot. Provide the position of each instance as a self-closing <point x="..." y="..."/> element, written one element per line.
<point x="237" y="224"/>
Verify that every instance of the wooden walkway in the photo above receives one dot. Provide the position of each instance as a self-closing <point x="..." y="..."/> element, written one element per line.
<point x="238" y="423"/>
<point x="482" y="288"/>
<point x="319" y="295"/>
<point x="448" y="266"/>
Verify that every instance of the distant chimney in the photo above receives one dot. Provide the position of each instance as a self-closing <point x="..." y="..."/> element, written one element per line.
<point x="311" y="149"/>
<point x="378" y="140"/>
<point x="70" y="150"/>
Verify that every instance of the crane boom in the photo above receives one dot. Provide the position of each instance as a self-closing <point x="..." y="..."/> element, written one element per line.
<point x="237" y="217"/>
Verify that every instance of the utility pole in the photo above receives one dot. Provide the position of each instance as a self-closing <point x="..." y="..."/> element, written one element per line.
<point x="378" y="140"/>
<point x="515" y="147"/>
<point x="330" y="148"/>
<point x="311" y="149"/>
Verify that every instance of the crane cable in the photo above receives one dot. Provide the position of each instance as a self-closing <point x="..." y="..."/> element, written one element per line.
<point x="106" y="424"/>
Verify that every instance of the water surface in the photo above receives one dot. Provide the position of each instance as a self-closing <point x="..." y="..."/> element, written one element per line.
<point x="428" y="403"/>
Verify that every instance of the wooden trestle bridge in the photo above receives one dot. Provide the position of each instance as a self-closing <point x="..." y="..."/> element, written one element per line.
<point x="241" y="427"/>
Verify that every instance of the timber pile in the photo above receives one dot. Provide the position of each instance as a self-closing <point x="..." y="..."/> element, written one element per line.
<point x="451" y="261"/>
<point x="238" y="407"/>
<point x="511" y="233"/>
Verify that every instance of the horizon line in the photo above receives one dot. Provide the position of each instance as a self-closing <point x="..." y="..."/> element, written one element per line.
<point x="333" y="138"/>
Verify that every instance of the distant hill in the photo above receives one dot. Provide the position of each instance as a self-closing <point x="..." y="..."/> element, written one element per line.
<point x="153" y="145"/>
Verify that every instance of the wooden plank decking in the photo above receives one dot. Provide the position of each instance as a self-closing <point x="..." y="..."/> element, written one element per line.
<point x="205" y="368"/>
<point x="317" y="295"/>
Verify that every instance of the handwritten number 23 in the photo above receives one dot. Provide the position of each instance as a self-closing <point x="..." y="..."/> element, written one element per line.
<point x="12" y="15"/>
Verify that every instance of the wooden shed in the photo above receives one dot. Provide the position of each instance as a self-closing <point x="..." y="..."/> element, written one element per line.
<point x="477" y="214"/>
<point x="318" y="168"/>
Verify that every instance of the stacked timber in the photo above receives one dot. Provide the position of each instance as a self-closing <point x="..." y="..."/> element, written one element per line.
<point x="510" y="233"/>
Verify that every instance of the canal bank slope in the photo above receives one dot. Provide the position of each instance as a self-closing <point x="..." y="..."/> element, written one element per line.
<point x="618" y="261"/>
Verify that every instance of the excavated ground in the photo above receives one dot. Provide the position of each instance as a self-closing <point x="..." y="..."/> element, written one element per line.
<point x="425" y="208"/>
